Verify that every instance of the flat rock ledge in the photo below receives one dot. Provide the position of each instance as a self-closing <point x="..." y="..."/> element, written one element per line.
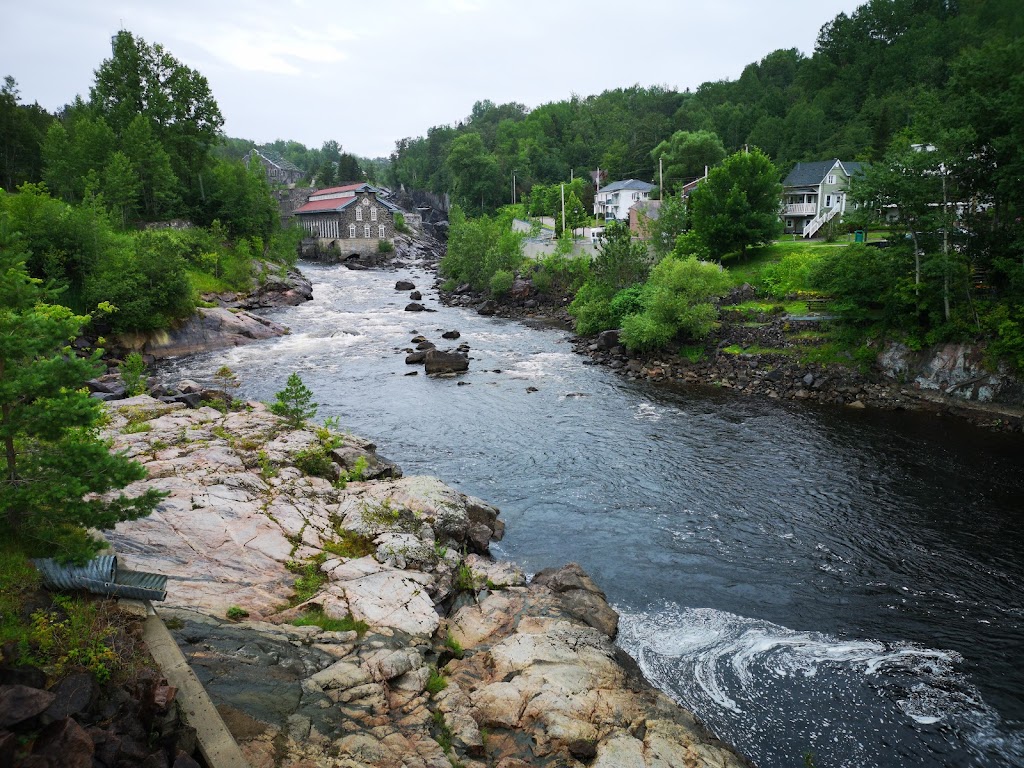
<point x="463" y="663"/>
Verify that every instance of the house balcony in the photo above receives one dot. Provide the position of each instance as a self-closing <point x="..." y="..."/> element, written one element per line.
<point x="801" y="209"/>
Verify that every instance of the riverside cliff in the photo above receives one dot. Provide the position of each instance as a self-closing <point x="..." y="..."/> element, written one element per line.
<point x="453" y="659"/>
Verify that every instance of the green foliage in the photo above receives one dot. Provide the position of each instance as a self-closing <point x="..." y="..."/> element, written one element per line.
<point x="501" y="282"/>
<point x="18" y="579"/>
<point x="592" y="308"/>
<point x="620" y="261"/>
<point x="57" y="473"/>
<point x="310" y="578"/>
<point x="792" y="273"/>
<point x="454" y="646"/>
<point x="665" y="230"/>
<point x="464" y="579"/>
<point x="133" y="372"/>
<point x="436" y="683"/>
<point x="686" y="154"/>
<point x="315" y="461"/>
<point x="317" y="618"/>
<point x="235" y="613"/>
<point x="294" y="403"/>
<point x="560" y="273"/>
<point x="678" y="300"/>
<point x="738" y="204"/>
<point x="864" y="281"/>
<point x="400" y="225"/>
<point x="350" y="544"/>
<point x="75" y="632"/>
<point x="145" y="280"/>
<point x="478" y="248"/>
<point x="385" y="246"/>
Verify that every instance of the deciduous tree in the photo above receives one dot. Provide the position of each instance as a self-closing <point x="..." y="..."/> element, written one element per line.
<point x="737" y="206"/>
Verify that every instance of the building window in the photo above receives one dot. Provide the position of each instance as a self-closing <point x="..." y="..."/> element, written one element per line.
<point x="828" y="201"/>
<point x="789" y="223"/>
<point x="373" y="214"/>
<point x="351" y="230"/>
<point x="359" y="214"/>
<point x="831" y="179"/>
<point x="382" y="232"/>
<point x="366" y="231"/>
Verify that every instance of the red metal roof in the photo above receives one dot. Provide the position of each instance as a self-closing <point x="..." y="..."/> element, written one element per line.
<point x="317" y="206"/>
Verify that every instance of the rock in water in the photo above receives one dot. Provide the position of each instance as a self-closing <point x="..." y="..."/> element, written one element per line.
<point x="404" y="285"/>
<point x="414" y="307"/>
<point x="445" y="362"/>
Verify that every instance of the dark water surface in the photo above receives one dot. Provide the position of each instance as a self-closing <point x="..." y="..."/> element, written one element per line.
<point x="839" y="582"/>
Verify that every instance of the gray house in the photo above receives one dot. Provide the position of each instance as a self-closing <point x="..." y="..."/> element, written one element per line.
<point x="815" y="193"/>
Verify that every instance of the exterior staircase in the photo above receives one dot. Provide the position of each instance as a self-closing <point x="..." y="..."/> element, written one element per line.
<point x="820" y="220"/>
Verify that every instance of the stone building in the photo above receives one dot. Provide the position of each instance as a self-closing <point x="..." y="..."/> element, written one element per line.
<point x="279" y="170"/>
<point x="352" y="219"/>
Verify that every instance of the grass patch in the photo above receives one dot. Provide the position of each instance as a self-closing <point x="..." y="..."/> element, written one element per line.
<point x="318" y="618"/>
<point x="442" y="733"/>
<point x="436" y="682"/>
<point x="454" y="646"/>
<point x="235" y="613"/>
<point x="311" y="578"/>
<point x="754" y="349"/>
<point x="692" y="354"/>
<point x="17" y="579"/>
<point x="350" y="544"/>
<point x="204" y="282"/>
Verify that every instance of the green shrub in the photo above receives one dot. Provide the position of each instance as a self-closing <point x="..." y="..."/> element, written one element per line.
<point x="311" y="578"/>
<point x="133" y="371"/>
<point x="315" y="461"/>
<point x="400" y="225"/>
<point x="793" y="273"/>
<point x="592" y="308"/>
<point x="235" y="613"/>
<point x="385" y="246"/>
<point x="501" y="282"/>
<point x="677" y="301"/>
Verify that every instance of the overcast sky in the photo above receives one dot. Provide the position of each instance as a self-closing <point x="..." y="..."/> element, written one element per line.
<point x="369" y="73"/>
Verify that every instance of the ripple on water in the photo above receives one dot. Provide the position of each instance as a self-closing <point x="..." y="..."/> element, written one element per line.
<point x="848" y="701"/>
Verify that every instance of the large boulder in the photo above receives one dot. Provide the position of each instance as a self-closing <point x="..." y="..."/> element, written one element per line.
<point x="414" y="307"/>
<point x="404" y="285"/>
<point x="488" y="308"/>
<point x="583" y="599"/>
<point x="207" y="329"/>
<point x="438" y="361"/>
<point x="280" y="291"/>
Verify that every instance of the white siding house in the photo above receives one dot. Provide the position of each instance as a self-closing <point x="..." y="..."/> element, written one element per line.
<point x="615" y="200"/>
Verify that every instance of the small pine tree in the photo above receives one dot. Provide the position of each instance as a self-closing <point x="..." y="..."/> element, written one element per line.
<point x="294" y="402"/>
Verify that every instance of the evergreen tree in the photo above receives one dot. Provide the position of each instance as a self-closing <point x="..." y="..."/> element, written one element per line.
<point x="294" y="403"/>
<point x="57" y="474"/>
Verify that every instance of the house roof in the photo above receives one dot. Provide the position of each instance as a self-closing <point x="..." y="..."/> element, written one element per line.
<point x="812" y="174"/>
<point x="649" y="208"/>
<point x="277" y="160"/>
<point x="339" y="203"/>
<point x="617" y="186"/>
<point x="353" y="187"/>
<point x="319" y="206"/>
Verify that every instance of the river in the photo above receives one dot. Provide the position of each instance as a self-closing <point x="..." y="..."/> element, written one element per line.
<point x="820" y="585"/>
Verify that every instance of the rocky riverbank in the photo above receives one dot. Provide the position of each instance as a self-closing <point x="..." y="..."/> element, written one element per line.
<point x="445" y="657"/>
<point x="772" y="355"/>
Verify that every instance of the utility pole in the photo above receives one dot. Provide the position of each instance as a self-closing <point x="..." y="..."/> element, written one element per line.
<point x="661" y="181"/>
<point x="563" y="208"/>
<point x="513" y="187"/>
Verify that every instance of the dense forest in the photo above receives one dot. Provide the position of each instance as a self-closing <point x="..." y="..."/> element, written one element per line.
<point x="884" y="68"/>
<point x="145" y="146"/>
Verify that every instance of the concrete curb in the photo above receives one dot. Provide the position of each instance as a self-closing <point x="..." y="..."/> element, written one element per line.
<point x="216" y="743"/>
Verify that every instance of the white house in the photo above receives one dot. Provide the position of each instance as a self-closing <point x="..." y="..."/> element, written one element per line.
<point x="615" y="200"/>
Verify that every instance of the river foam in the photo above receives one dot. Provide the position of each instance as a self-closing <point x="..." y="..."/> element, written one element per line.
<point x="729" y="667"/>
